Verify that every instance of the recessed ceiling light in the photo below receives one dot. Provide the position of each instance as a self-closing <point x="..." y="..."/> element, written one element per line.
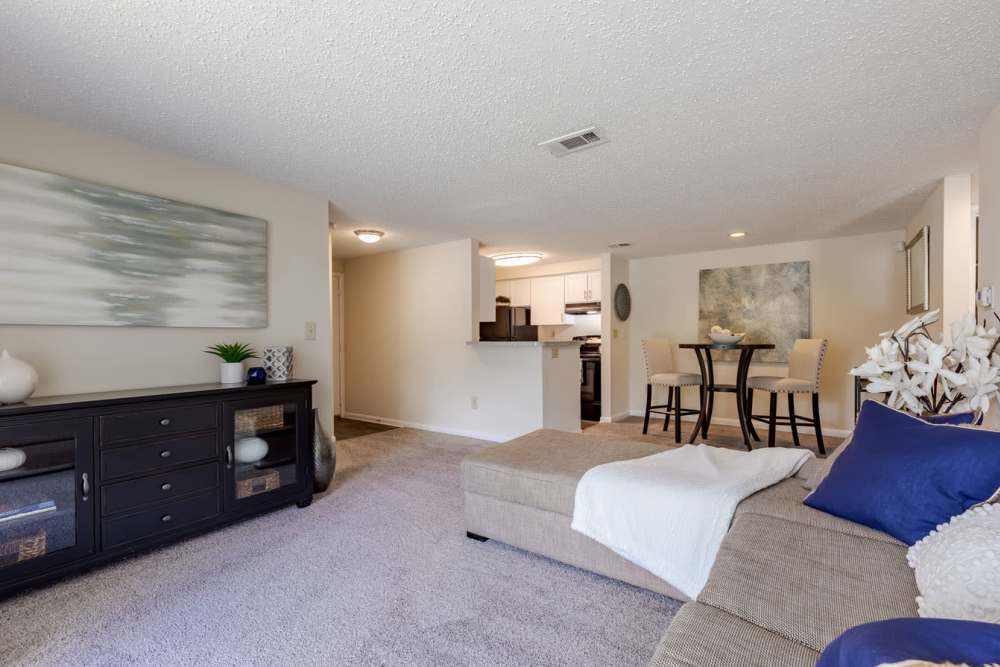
<point x="516" y="258"/>
<point x="620" y="244"/>
<point x="737" y="235"/>
<point x="369" y="235"/>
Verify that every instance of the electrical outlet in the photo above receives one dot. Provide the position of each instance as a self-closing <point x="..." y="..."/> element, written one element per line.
<point x="614" y="333"/>
<point x="474" y="400"/>
<point x="310" y="331"/>
<point x="555" y="353"/>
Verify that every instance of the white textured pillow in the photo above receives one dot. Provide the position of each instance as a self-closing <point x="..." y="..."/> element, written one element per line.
<point x="958" y="567"/>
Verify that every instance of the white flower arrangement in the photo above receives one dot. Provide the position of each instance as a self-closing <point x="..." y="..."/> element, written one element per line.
<point x="921" y="376"/>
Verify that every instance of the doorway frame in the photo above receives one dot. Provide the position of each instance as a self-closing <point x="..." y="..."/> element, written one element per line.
<point x="340" y="405"/>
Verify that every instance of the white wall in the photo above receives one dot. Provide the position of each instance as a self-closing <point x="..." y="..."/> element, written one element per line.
<point x="82" y="359"/>
<point x="614" y="341"/>
<point x="989" y="211"/>
<point x="407" y="361"/>
<point x="857" y="287"/>
<point x="947" y="213"/>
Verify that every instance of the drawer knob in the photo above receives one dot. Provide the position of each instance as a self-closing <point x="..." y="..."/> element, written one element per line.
<point x="166" y="518"/>
<point x="164" y="422"/>
<point x="165" y="454"/>
<point x="166" y="486"/>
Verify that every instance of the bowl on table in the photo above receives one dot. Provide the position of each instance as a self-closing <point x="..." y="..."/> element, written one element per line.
<point x="726" y="339"/>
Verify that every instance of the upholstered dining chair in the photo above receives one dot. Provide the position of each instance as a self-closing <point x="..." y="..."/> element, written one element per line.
<point x="660" y="372"/>
<point x="804" y="365"/>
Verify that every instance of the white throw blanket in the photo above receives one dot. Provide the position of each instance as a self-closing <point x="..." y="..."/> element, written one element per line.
<point x="669" y="512"/>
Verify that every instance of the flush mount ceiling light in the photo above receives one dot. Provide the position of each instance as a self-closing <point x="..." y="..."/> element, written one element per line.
<point x="737" y="235"/>
<point x="620" y="244"/>
<point x="369" y="235"/>
<point x="516" y="258"/>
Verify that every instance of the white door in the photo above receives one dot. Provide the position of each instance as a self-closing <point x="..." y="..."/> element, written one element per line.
<point x="576" y="288"/>
<point x="594" y="286"/>
<point x="337" y="334"/>
<point x="520" y="292"/>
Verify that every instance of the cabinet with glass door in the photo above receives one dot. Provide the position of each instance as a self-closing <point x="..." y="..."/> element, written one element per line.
<point x="265" y="444"/>
<point x="46" y="496"/>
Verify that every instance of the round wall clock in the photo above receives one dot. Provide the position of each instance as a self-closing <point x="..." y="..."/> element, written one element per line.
<point x="623" y="302"/>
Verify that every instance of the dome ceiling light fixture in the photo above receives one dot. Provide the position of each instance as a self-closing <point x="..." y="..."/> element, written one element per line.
<point x="369" y="235"/>
<point x="522" y="258"/>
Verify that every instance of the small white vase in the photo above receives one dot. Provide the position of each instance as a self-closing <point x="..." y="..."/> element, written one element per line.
<point x="231" y="373"/>
<point x="17" y="379"/>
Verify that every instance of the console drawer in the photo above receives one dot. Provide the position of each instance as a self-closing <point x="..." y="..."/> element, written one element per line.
<point x="156" y="456"/>
<point x="157" y="421"/>
<point x="168" y="516"/>
<point x="160" y="487"/>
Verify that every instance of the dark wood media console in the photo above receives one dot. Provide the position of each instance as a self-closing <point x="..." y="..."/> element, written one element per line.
<point x="108" y="474"/>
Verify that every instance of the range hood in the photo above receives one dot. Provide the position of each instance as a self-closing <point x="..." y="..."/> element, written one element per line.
<point x="585" y="308"/>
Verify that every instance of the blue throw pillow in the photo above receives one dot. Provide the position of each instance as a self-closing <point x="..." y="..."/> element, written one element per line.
<point x="904" y="476"/>
<point x="898" y="639"/>
<point x="954" y="418"/>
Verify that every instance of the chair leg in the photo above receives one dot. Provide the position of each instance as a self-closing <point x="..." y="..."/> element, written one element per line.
<point x="649" y="401"/>
<point x="791" y="418"/>
<point x="819" y="431"/>
<point x="749" y="411"/>
<point x="677" y="417"/>
<point x="670" y="404"/>
<point x="773" y="420"/>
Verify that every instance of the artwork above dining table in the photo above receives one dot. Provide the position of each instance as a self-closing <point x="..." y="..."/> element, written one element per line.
<point x="770" y="302"/>
<point x="79" y="253"/>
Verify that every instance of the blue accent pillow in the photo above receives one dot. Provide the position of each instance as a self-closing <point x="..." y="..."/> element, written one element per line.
<point x="905" y="477"/>
<point x="954" y="418"/>
<point x="898" y="639"/>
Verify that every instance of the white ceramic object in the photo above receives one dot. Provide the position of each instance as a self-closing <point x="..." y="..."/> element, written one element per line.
<point x="726" y="339"/>
<point x="17" y="379"/>
<point x="231" y="373"/>
<point x="251" y="450"/>
<point x="11" y="458"/>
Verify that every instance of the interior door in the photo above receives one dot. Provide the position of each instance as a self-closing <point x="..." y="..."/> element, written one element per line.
<point x="47" y="495"/>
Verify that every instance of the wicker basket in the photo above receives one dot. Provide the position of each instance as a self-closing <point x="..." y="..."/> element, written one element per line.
<point x="260" y="483"/>
<point x="254" y="420"/>
<point x="23" y="548"/>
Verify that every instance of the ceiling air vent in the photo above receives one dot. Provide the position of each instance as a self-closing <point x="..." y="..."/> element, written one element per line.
<point x="575" y="141"/>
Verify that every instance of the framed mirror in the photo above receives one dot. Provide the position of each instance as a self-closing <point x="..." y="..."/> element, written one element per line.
<point x="917" y="272"/>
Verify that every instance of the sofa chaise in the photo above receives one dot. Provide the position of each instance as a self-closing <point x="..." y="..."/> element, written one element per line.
<point x="788" y="579"/>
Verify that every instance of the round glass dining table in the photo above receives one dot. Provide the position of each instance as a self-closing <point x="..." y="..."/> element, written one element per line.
<point x="710" y="387"/>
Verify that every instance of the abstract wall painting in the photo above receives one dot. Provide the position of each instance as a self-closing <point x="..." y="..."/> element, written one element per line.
<point x="770" y="302"/>
<point x="79" y="253"/>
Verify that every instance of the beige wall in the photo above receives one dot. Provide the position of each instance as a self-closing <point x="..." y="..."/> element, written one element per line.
<point x="947" y="213"/>
<point x="856" y="293"/>
<point x="989" y="211"/>
<point x="82" y="359"/>
<point x="407" y="359"/>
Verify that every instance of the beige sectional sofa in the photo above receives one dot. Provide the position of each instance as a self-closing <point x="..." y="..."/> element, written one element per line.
<point x="787" y="580"/>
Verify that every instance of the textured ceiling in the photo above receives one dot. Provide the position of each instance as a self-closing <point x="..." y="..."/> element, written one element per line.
<point x="791" y="119"/>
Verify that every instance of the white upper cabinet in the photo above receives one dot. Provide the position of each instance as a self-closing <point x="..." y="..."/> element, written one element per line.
<point x="548" y="300"/>
<point x="520" y="292"/>
<point x="576" y="288"/>
<point x="503" y="288"/>
<point x="594" y="285"/>
<point x="583" y="287"/>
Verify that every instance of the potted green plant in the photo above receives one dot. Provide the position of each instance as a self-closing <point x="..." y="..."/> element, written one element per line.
<point x="233" y="355"/>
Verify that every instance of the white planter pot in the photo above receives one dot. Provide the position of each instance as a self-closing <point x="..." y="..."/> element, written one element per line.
<point x="17" y="379"/>
<point x="231" y="373"/>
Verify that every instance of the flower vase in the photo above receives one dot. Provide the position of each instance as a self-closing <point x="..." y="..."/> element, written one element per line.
<point x="324" y="456"/>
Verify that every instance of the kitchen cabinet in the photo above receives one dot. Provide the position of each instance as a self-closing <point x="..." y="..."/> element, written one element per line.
<point x="520" y="292"/>
<point x="583" y="287"/>
<point x="503" y="288"/>
<point x="548" y="300"/>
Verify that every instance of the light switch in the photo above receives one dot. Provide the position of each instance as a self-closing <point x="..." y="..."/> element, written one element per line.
<point x="310" y="331"/>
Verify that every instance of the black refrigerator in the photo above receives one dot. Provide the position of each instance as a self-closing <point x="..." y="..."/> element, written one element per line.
<point x="513" y="323"/>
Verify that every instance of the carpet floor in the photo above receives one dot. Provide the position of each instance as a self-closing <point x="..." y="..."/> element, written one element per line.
<point x="377" y="571"/>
